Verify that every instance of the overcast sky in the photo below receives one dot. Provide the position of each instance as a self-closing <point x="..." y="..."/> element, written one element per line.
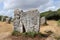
<point x="7" y="6"/>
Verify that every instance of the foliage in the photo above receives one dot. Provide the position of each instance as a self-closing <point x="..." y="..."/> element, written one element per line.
<point x="1" y="17"/>
<point x="51" y="15"/>
<point x="33" y="34"/>
<point x="30" y="34"/>
<point x="15" y="33"/>
<point x="5" y="18"/>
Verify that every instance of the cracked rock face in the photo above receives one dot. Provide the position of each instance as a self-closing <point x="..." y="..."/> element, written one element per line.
<point x="26" y="21"/>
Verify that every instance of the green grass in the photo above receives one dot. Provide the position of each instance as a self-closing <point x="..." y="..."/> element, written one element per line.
<point x="28" y="34"/>
<point x="16" y="33"/>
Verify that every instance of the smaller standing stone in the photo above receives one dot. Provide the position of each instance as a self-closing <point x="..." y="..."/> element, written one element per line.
<point x="43" y="20"/>
<point x="7" y="19"/>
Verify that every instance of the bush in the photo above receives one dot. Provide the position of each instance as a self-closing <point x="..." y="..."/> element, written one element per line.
<point x="51" y="15"/>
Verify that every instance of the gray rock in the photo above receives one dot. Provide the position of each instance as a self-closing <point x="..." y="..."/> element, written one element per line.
<point x="26" y="21"/>
<point x="43" y="20"/>
<point x="7" y="20"/>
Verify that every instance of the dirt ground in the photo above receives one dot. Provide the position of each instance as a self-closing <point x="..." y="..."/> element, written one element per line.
<point x="52" y="25"/>
<point x="6" y="29"/>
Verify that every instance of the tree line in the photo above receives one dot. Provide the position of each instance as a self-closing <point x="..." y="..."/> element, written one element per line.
<point x="51" y="15"/>
<point x="4" y="18"/>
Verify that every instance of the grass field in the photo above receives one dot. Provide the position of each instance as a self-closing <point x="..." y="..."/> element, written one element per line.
<point x="6" y="29"/>
<point x="52" y="25"/>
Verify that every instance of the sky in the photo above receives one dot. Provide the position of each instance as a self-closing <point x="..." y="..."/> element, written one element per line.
<point x="7" y="7"/>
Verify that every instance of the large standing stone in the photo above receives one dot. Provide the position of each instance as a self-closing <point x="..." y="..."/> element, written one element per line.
<point x="26" y="21"/>
<point x="32" y="18"/>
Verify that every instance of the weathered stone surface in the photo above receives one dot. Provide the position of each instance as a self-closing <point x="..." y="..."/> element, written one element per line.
<point x="17" y="24"/>
<point x="32" y="21"/>
<point x="26" y="21"/>
<point x="43" y="20"/>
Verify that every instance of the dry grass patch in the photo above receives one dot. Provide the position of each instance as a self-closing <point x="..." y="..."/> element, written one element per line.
<point x="52" y="25"/>
<point x="5" y="27"/>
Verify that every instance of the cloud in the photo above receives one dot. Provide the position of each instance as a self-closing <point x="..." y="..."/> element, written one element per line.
<point x="42" y="5"/>
<point x="23" y="4"/>
<point x="7" y="13"/>
<point x="57" y="4"/>
<point x="1" y="1"/>
<point x="10" y="13"/>
<point x="48" y="6"/>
